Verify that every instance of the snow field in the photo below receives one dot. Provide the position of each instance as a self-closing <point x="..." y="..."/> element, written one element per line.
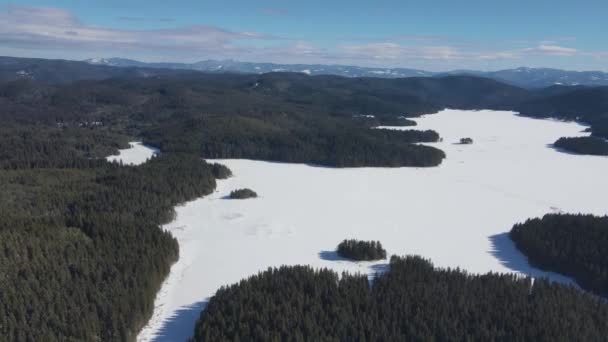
<point x="456" y="214"/>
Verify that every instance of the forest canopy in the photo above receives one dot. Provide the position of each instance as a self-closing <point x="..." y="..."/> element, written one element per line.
<point x="221" y="116"/>
<point x="82" y="255"/>
<point x="361" y="250"/>
<point x="413" y="301"/>
<point x="574" y="245"/>
<point x="242" y="194"/>
<point x="583" y="145"/>
<point x="81" y="251"/>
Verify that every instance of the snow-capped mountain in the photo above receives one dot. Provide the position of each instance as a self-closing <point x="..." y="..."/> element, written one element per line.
<point x="543" y="77"/>
<point x="117" y="62"/>
<point x="260" y="68"/>
<point x="523" y="77"/>
<point x="540" y="77"/>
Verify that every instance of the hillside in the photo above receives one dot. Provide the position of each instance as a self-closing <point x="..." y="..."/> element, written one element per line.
<point x="181" y="110"/>
<point x="54" y="134"/>
<point x="588" y="105"/>
<point x="174" y="99"/>
<point x="532" y="78"/>
<point x="63" y="71"/>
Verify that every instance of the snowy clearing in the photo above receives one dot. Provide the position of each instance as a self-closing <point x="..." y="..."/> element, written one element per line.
<point x="137" y="154"/>
<point x="456" y="214"/>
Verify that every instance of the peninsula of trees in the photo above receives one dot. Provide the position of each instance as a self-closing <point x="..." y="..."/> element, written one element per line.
<point x="82" y="253"/>
<point x="413" y="301"/>
<point x="583" y="145"/>
<point x="573" y="245"/>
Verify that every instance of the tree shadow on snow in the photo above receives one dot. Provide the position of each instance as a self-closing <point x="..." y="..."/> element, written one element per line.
<point x="561" y="150"/>
<point x="377" y="271"/>
<point x="180" y="326"/>
<point x="503" y="248"/>
<point x="331" y="256"/>
<point x="380" y="268"/>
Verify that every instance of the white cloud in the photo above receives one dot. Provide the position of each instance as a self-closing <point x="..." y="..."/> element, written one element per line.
<point x="551" y="50"/>
<point x="51" y="28"/>
<point x="56" y="33"/>
<point x="391" y="51"/>
<point x="499" y="55"/>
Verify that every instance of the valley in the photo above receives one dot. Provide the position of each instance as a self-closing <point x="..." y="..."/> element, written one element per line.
<point x="201" y="171"/>
<point x="328" y="159"/>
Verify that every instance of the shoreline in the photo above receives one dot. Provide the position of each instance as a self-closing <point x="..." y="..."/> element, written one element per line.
<point x="291" y="224"/>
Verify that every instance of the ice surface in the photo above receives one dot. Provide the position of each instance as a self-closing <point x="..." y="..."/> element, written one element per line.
<point x="456" y="214"/>
<point x="137" y="154"/>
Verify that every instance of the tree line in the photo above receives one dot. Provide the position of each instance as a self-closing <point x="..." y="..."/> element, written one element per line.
<point x="583" y="145"/>
<point x="82" y="254"/>
<point x="221" y="116"/>
<point x="574" y="245"/>
<point x="413" y="301"/>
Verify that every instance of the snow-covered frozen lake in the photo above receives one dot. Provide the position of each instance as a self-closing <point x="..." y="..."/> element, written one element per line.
<point x="456" y="214"/>
<point x="137" y="154"/>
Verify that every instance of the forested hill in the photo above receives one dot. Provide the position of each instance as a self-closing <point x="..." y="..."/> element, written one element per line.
<point x="289" y="117"/>
<point x="81" y="251"/>
<point x="521" y="77"/>
<point x="588" y="105"/>
<point x="413" y="96"/>
<point x="285" y="116"/>
<point x="56" y="71"/>
<point x="420" y="93"/>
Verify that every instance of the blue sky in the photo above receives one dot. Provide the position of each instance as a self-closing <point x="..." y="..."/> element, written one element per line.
<point x="431" y="34"/>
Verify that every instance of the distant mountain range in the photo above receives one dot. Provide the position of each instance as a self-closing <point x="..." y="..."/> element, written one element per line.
<point x="56" y="71"/>
<point x="522" y="77"/>
<point x="63" y="71"/>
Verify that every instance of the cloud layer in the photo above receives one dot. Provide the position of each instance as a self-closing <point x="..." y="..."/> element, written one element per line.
<point x="51" y="28"/>
<point x="57" y="32"/>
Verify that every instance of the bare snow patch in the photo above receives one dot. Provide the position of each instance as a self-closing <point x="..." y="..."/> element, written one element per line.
<point x="137" y="154"/>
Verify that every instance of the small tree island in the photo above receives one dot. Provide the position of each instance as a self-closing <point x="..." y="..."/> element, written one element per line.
<point x="243" y="194"/>
<point x="361" y="250"/>
<point x="466" y="141"/>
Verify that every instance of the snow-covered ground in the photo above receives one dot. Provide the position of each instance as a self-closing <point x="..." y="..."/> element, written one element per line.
<point x="137" y="154"/>
<point x="456" y="214"/>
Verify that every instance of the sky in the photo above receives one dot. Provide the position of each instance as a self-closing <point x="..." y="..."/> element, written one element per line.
<point x="434" y="35"/>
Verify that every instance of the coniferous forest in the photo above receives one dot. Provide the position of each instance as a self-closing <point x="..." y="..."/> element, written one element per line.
<point x="81" y="252"/>
<point x="82" y="255"/>
<point x="361" y="250"/>
<point x="574" y="245"/>
<point x="412" y="302"/>
<point x="584" y="145"/>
